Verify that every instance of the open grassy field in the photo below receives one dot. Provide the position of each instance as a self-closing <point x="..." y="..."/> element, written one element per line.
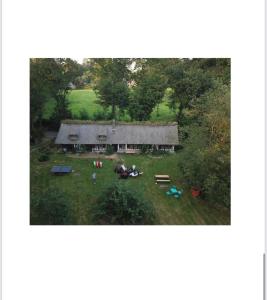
<point x="82" y="192"/>
<point x="85" y="100"/>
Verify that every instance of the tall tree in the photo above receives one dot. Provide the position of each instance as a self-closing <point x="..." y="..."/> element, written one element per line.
<point x="205" y="160"/>
<point x="146" y="94"/>
<point x="111" y="82"/>
<point x="187" y="85"/>
<point x="42" y="88"/>
<point x="50" y="78"/>
<point x="66" y="72"/>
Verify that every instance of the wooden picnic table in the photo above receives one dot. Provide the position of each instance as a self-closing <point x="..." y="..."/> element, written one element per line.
<point x="162" y="177"/>
<point x="163" y="180"/>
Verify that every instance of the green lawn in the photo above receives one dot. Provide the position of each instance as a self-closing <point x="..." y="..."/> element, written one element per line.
<point x="83" y="193"/>
<point x="85" y="100"/>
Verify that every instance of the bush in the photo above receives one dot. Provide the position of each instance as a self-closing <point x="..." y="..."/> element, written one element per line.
<point x="101" y="115"/>
<point x="156" y="151"/>
<point x="144" y="149"/>
<point x="109" y="150"/>
<point x="121" y="205"/>
<point x="43" y="157"/>
<point x="84" y="114"/>
<point x="50" y="208"/>
<point x="178" y="147"/>
<point x="37" y="133"/>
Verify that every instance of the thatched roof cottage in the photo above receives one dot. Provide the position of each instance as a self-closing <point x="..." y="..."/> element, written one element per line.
<point x="124" y="137"/>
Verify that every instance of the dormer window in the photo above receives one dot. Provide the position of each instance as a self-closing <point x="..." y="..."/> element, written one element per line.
<point x="73" y="137"/>
<point x="101" y="137"/>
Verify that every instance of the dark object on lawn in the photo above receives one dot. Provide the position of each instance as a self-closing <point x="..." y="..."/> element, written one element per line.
<point x="195" y="191"/>
<point x="61" y="170"/>
<point x="120" y="169"/>
<point x="124" y="175"/>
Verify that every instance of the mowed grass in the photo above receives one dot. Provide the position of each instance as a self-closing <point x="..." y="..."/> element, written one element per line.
<point x="85" y="100"/>
<point x="82" y="193"/>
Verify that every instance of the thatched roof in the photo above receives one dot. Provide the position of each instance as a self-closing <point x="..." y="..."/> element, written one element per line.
<point x="126" y="133"/>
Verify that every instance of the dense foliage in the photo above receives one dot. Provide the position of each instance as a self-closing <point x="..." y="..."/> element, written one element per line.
<point x="111" y="77"/>
<point x="50" y="208"/>
<point x="121" y="205"/>
<point x="50" y="78"/>
<point x="147" y="93"/>
<point x="206" y="154"/>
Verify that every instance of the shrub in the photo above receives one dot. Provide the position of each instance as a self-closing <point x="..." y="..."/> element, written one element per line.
<point x="121" y="205"/>
<point x="84" y="114"/>
<point x="109" y="150"/>
<point x="50" y="208"/>
<point x="75" y="116"/>
<point x="178" y="147"/>
<point x="144" y="149"/>
<point x="102" y="115"/>
<point x="43" y="157"/>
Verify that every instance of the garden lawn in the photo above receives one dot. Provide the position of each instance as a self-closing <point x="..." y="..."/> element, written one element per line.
<point x="82" y="192"/>
<point x="85" y="100"/>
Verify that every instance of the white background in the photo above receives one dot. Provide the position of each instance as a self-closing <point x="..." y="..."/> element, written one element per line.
<point x="160" y="262"/>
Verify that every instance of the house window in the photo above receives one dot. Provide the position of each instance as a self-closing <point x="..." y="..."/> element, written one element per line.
<point x="73" y="137"/>
<point x="99" y="148"/>
<point x="101" y="137"/>
<point x="133" y="146"/>
<point x="122" y="147"/>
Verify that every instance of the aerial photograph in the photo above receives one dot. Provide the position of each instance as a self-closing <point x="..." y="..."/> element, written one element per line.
<point x="130" y="141"/>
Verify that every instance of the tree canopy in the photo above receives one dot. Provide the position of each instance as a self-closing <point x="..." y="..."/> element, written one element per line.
<point x="122" y="205"/>
<point x="111" y="77"/>
<point x="50" y="208"/>
<point x="50" y="78"/>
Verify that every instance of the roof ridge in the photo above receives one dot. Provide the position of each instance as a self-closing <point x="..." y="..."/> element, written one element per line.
<point x="90" y="122"/>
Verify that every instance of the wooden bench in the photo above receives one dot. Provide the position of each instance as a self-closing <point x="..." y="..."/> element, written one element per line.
<point x="162" y="179"/>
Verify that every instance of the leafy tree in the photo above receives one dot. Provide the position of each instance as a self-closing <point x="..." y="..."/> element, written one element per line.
<point x="187" y="85"/>
<point x="50" y="78"/>
<point x="147" y="93"/>
<point x="67" y="71"/>
<point x="219" y="68"/>
<point x="121" y="205"/>
<point x="84" y="115"/>
<point x="111" y="77"/>
<point x="50" y="208"/>
<point x="205" y="160"/>
<point x="41" y="89"/>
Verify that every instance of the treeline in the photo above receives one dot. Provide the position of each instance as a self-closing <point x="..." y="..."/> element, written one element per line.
<point x="205" y="161"/>
<point x="127" y="85"/>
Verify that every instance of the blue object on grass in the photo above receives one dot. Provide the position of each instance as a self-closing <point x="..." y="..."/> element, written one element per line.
<point x="174" y="192"/>
<point x="61" y="169"/>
